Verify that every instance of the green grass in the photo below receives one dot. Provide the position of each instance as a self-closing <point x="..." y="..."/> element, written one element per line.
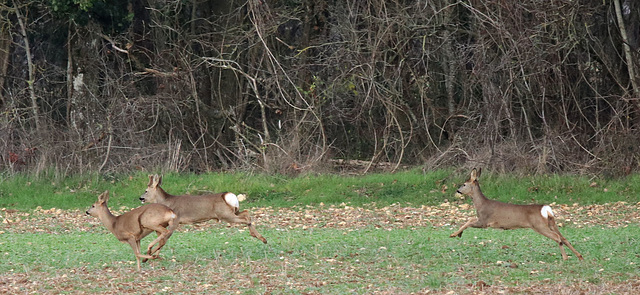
<point x="566" y="189"/>
<point x="355" y="261"/>
<point x="414" y="187"/>
<point x="65" y="259"/>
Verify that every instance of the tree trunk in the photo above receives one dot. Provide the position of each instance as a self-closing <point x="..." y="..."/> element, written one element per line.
<point x="627" y="53"/>
<point x="5" y="47"/>
<point x="69" y="73"/>
<point x="31" y="81"/>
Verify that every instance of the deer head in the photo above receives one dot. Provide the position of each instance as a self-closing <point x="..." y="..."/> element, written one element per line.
<point x="99" y="204"/>
<point x="153" y="189"/>
<point x="467" y="187"/>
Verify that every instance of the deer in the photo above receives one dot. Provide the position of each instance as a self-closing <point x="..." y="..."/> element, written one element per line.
<point x="495" y="214"/>
<point x="200" y="208"/>
<point x="136" y="224"/>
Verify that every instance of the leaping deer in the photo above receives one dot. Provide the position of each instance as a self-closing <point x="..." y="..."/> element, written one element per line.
<point x="195" y="209"/>
<point x="501" y="215"/>
<point x="136" y="224"/>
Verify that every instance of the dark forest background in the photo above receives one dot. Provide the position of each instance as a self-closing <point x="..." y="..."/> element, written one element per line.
<point x="303" y="86"/>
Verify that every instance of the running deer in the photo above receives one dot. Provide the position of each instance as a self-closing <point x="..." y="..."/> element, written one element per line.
<point x="136" y="224"/>
<point x="500" y="215"/>
<point x="194" y="209"/>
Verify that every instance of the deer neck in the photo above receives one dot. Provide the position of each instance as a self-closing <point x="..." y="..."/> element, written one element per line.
<point x="478" y="197"/>
<point x="107" y="219"/>
<point x="164" y="196"/>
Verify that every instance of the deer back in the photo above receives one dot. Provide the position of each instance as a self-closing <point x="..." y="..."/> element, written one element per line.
<point x="137" y="221"/>
<point x="189" y="208"/>
<point x="154" y="214"/>
<point x="508" y="216"/>
<point x="193" y="209"/>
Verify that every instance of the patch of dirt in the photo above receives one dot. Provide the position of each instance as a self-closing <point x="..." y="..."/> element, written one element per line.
<point x="196" y="280"/>
<point x="224" y="279"/>
<point x="341" y="216"/>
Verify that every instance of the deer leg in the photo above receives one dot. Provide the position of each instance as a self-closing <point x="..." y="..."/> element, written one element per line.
<point x="554" y="227"/>
<point x="135" y="245"/>
<point x="244" y="218"/>
<point x="551" y="234"/>
<point x="254" y="233"/>
<point x="474" y="222"/>
<point x="163" y="235"/>
<point x="566" y="242"/>
<point x="161" y="240"/>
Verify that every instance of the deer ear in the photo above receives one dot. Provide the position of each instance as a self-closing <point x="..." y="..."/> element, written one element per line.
<point x="157" y="180"/>
<point x="103" y="197"/>
<point x="479" y="173"/>
<point x="150" y="180"/>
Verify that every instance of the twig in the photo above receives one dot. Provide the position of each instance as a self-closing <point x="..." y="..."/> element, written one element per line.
<point x="113" y="44"/>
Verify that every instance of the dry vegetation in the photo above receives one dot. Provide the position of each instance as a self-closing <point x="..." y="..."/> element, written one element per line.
<point x="288" y="86"/>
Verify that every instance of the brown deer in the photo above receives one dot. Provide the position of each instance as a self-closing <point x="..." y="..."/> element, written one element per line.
<point x="136" y="224"/>
<point x="501" y="215"/>
<point x="194" y="209"/>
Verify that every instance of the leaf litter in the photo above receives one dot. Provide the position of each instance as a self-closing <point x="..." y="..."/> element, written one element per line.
<point x="342" y="216"/>
<point x="122" y="279"/>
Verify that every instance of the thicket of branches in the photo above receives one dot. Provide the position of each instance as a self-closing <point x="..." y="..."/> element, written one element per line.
<point x="308" y="85"/>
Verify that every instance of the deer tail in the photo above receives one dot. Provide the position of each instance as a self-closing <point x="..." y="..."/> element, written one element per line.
<point x="173" y="222"/>
<point x="232" y="200"/>
<point x="547" y="214"/>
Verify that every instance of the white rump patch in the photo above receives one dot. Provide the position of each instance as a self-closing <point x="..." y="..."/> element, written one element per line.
<point x="232" y="200"/>
<point x="546" y="211"/>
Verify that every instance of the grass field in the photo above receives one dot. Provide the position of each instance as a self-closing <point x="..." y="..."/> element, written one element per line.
<point x="384" y="233"/>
